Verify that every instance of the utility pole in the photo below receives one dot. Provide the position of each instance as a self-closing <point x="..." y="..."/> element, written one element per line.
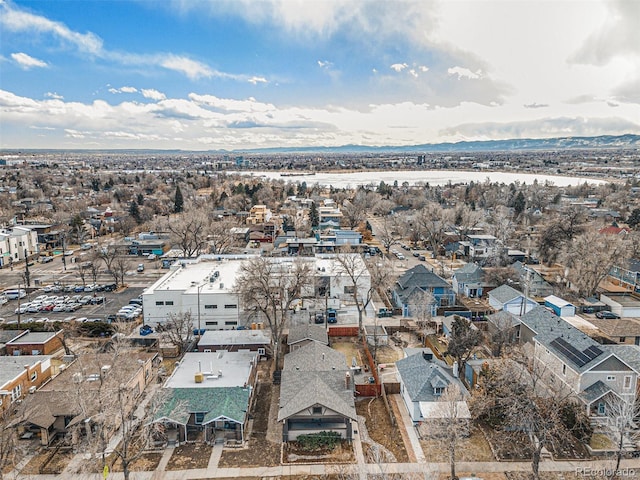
<point x="19" y="284"/>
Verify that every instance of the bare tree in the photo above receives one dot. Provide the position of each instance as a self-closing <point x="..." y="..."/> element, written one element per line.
<point x="621" y="424"/>
<point x="590" y="256"/>
<point x="515" y="399"/>
<point x="220" y="237"/>
<point x="464" y="338"/>
<point x="119" y="268"/>
<point x="391" y="231"/>
<point x="94" y="265"/>
<point x="432" y="221"/>
<point x="178" y="329"/>
<point x="466" y="220"/>
<point x="421" y="306"/>
<point x="188" y="230"/>
<point x="8" y="441"/>
<point x="558" y="233"/>
<point x="270" y="288"/>
<point x="452" y="417"/>
<point x="82" y="273"/>
<point x="365" y="278"/>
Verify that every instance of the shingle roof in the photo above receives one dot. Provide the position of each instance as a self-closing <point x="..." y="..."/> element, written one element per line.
<point x="503" y="318"/>
<point x="299" y="333"/>
<point x="419" y="276"/>
<point x="594" y="392"/>
<point x="228" y="402"/>
<point x="629" y="354"/>
<point x="315" y="357"/>
<point x="304" y="389"/>
<point x="420" y="376"/>
<point x="505" y="293"/>
<point x="550" y="328"/>
<point x="471" y="272"/>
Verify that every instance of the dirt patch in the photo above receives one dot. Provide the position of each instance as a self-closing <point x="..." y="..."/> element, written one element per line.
<point x="474" y="448"/>
<point x="568" y="449"/>
<point x="190" y="456"/>
<point x="380" y="428"/>
<point x="260" y="451"/>
<point x="349" y="347"/>
<point x="341" y="453"/>
<point x="508" y="446"/>
<point x="55" y="466"/>
<point x="387" y="354"/>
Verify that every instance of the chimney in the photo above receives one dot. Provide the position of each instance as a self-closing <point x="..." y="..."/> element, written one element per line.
<point x="347" y="381"/>
<point x="455" y="369"/>
<point x="428" y="356"/>
<point x="322" y="356"/>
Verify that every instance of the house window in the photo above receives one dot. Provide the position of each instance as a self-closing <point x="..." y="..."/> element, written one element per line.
<point x="622" y="339"/>
<point x="564" y="369"/>
<point x="159" y="303"/>
<point x="199" y="418"/>
<point x="437" y="391"/>
<point x="627" y="381"/>
<point x="211" y="323"/>
<point x="231" y="305"/>
<point x="601" y="408"/>
<point x="611" y="378"/>
<point x="317" y="410"/>
<point x="231" y="322"/>
<point x="261" y="351"/>
<point x="207" y="350"/>
<point x="169" y="302"/>
<point x="350" y="289"/>
<point x="209" y="307"/>
<point x="34" y="376"/>
<point x="16" y="393"/>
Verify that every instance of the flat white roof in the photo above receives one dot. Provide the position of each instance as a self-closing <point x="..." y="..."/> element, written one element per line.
<point x="234" y="366"/>
<point x="435" y="410"/>
<point x="12" y="366"/>
<point x="235" y="337"/>
<point x="557" y="301"/>
<point x="580" y="323"/>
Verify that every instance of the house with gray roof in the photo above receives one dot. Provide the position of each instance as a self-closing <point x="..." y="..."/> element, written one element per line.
<point x="468" y="280"/>
<point x="423" y="380"/>
<point x="316" y="393"/>
<point x="576" y="364"/>
<point x="300" y="335"/>
<point x="537" y="285"/>
<point x="412" y="284"/>
<point x="209" y="393"/>
<point x="510" y="300"/>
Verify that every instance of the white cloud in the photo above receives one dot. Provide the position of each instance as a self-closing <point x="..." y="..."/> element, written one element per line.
<point x="462" y="72"/>
<point x="256" y="80"/>
<point x="15" y="20"/>
<point x="535" y="105"/>
<point x="124" y="89"/>
<point x="153" y="94"/>
<point x="191" y="68"/>
<point x="54" y="95"/>
<point x="28" y="62"/>
<point x="398" y="67"/>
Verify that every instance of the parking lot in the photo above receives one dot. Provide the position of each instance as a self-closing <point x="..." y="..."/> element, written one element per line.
<point x="72" y="303"/>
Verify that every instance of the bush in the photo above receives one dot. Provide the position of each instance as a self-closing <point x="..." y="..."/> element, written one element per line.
<point x="576" y="421"/>
<point x="319" y="441"/>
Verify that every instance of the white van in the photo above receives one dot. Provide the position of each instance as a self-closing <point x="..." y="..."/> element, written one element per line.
<point x="15" y="294"/>
<point x="3" y="299"/>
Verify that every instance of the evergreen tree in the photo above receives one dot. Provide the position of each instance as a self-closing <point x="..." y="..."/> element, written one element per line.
<point x="134" y="211"/>
<point x="314" y="218"/>
<point x="634" y="218"/>
<point x="519" y="204"/>
<point x="178" y="202"/>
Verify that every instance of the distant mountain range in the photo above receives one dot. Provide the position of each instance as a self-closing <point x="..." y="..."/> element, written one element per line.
<point x="562" y="143"/>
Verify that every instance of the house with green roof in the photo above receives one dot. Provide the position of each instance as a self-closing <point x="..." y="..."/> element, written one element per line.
<point x="207" y="398"/>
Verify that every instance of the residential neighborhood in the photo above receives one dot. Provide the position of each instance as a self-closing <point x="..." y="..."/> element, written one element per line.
<point x="199" y="322"/>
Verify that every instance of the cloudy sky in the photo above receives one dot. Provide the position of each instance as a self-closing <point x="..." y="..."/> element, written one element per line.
<point x="239" y="74"/>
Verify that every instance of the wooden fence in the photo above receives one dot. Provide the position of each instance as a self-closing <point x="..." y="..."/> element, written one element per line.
<point x="343" y="331"/>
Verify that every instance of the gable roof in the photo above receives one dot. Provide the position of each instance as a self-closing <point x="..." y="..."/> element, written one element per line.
<point x="503" y="318"/>
<point x="420" y="376"/>
<point x="315" y="357"/>
<point x="505" y="293"/>
<point x="309" y="331"/>
<point x="419" y="276"/>
<point x="304" y="389"/>
<point x="224" y="402"/>
<point x="576" y="349"/>
<point x="312" y="375"/>
<point x="471" y="272"/>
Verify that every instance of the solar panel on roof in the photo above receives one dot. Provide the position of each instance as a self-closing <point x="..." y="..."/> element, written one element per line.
<point x="575" y="355"/>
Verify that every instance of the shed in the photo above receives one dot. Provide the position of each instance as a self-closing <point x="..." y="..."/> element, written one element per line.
<point x="560" y="307"/>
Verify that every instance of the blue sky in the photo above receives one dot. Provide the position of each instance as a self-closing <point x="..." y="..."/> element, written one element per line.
<point x="240" y="74"/>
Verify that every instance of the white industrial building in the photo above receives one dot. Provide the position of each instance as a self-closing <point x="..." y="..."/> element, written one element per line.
<point x="206" y="289"/>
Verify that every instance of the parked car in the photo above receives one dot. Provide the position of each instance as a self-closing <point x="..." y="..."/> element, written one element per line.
<point x="332" y="315"/>
<point x="110" y="288"/>
<point x="140" y="267"/>
<point x="152" y="256"/>
<point x="607" y="315"/>
<point x="319" y="317"/>
<point x="145" y="330"/>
